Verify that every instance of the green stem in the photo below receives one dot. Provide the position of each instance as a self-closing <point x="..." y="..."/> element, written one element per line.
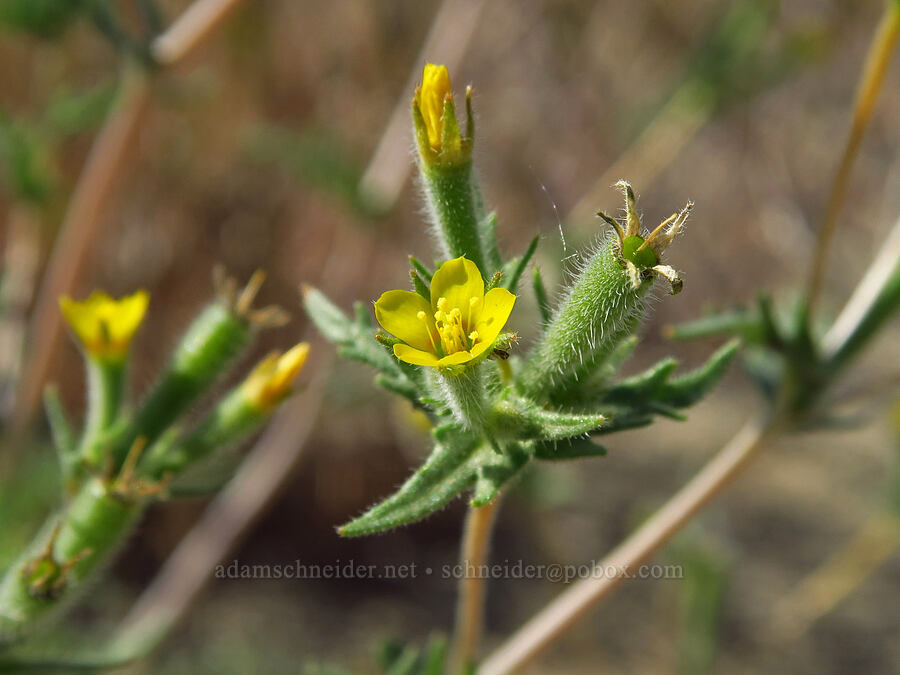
<point x="106" y="389"/>
<point x="69" y="549"/>
<point x="231" y="422"/>
<point x="599" y="311"/>
<point x="453" y="204"/>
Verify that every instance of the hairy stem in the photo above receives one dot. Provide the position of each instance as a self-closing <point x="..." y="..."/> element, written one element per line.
<point x="555" y="619"/>
<point x="472" y="586"/>
<point x="879" y="57"/>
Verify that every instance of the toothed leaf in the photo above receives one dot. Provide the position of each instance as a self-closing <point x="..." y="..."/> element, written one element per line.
<point x="523" y="420"/>
<point x="572" y="448"/>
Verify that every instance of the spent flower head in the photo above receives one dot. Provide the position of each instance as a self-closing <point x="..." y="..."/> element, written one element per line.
<point x="103" y="325"/>
<point x="459" y="324"/>
<point x="434" y="117"/>
<point x="641" y="251"/>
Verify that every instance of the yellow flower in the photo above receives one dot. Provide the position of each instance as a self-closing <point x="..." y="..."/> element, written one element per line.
<point x="105" y="326"/>
<point x="434" y="116"/>
<point x="459" y="324"/>
<point x="272" y="378"/>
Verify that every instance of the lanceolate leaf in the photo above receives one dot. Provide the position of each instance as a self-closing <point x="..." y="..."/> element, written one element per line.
<point x="521" y="419"/>
<point x="447" y="472"/>
<point x="572" y="448"/>
<point x="458" y="461"/>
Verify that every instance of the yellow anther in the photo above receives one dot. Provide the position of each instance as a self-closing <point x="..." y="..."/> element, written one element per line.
<point x="422" y="316"/>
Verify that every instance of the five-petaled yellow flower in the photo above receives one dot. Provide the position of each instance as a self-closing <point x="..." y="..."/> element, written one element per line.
<point x="272" y="378"/>
<point x="459" y="324"/>
<point x="105" y="326"/>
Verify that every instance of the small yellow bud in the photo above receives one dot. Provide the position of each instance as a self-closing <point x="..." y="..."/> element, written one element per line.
<point x="441" y="144"/>
<point x="104" y="326"/>
<point x="433" y="93"/>
<point x="272" y="378"/>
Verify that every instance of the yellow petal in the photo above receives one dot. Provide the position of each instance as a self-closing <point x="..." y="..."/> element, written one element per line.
<point x="397" y="312"/>
<point x="416" y="357"/>
<point x="480" y="348"/>
<point x="456" y="359"/>
<point x="498" y="305"/>
<point x="435" y="89"/>
<point x="458" y="281"/>
<point x="104" y="326"/>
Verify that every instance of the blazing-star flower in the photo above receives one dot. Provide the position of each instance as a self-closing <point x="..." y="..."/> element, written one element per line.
<point x="271" y="380"/>
<point x="459" y="324"/>
<point x="103" y="325"/>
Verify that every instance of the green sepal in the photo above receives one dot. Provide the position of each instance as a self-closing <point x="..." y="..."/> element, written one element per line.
<point x="419" y="285"/>
<point x="571" y="448"/>
<point x="515" y="268"/>
<point x="419" y="267"/>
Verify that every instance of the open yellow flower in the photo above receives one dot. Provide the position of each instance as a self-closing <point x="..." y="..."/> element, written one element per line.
<point x="105" y="326"/>
<point x="459" y="324"/>
<point x="272" y="378"/>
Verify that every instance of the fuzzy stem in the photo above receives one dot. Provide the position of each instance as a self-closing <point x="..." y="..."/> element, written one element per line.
<point x="472" y="589"/>
<point x="106" y="389"/>
<point x="90" y="529"/>
<point x="464" y="395"/>
<point x="874" y="71"/>
<point x="453" y="203"/>
<point x="600" y="309"/>
<point x="553" y="621"/>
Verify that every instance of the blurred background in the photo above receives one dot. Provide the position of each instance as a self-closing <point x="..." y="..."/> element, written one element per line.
<point x="272" y="146"/>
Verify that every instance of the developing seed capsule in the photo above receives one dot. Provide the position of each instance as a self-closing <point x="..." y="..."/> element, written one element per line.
<point x="604" y="304"/>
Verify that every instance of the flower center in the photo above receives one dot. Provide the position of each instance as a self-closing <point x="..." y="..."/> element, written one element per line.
<point x="451" y="328"/>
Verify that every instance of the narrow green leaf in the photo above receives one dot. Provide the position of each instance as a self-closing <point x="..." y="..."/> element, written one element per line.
<point x="572" y="448"/>
<point x="541" y="294"/>
<point x="524" y="420"/>
<point x="447" y="472"/>
<point x="516" y="268"/>
<point x="686" y="390"/>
